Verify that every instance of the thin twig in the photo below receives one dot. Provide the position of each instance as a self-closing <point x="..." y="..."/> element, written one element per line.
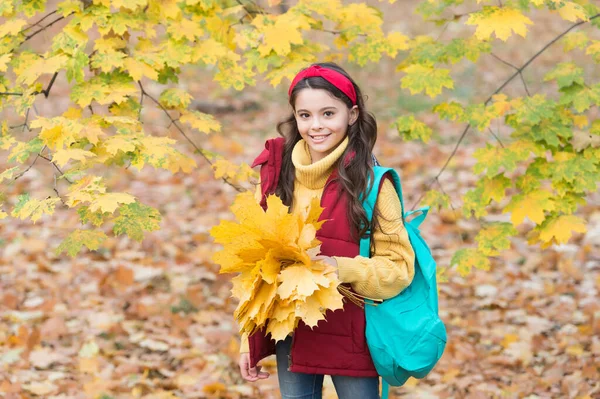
<point x="7" y="93"/>
<point x="496" y="137"/>
<point x="498" y="90"/>
<point x="44" y="28"/>
<point x="38" y="22"/>
<point x="30" y="166"/>
<point x="514" y="67"/>
<point x="57" y="193"/>
<point x="57" y="168"/>
<point x="174" y="122"/>
<point x="47" y="91"/>
<point x="25" y="125"/>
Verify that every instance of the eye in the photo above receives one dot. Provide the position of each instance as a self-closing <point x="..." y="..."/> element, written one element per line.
<point x="328" y="113"/>
<point x="303" y="115"/>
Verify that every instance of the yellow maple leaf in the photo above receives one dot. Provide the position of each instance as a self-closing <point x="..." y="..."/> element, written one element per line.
<point x="185" y="28"/>
<point x="12" y="27"/>
<point x="531" y="205"/>
<point x="278" y="284"/>
<point x="202" y="122"/>
<point x="571" y="11"/>
<point x="296" y="282"/>
<point x="61" y="157"/>
<point x="137" y="69"/>
<point x="108" y="202"/>
<point x="40" y="67"/>
<point x="279" y="330"/>
<point x="4" y="60"/>
<point x="499" y="20"/>
<point x="279" y="33"/>
<point x="561" y="229"/>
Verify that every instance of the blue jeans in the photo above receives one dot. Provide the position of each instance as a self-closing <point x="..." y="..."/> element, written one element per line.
<point x="310" y="386"/>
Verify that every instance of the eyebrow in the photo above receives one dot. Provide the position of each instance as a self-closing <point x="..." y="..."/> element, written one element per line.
<point x="322" y="109"/>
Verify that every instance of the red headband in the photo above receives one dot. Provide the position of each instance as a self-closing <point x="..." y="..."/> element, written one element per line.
<point x="333" y="77"/>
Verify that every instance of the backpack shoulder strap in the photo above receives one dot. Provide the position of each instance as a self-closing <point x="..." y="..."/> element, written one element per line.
<point x="371" y="200"/>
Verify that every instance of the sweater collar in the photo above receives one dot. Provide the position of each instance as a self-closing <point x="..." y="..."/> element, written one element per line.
<point x="315" y="175"/>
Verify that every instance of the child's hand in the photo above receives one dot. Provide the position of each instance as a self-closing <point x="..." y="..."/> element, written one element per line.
<point x="250" y="374"/>
<point x="326" y="259"/>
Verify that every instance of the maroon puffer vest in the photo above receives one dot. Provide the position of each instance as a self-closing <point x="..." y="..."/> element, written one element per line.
<point x="337" y="346"/>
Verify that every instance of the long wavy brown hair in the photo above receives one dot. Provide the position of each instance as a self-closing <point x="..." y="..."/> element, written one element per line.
<point x="354" y="176"/>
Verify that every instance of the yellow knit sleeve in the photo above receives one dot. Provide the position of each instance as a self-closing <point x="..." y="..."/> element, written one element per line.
<point x="391" y="268"/>
<point x="244" y="345"/>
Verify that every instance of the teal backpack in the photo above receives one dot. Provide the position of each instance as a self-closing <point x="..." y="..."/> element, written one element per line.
<point x="405" y="335"/>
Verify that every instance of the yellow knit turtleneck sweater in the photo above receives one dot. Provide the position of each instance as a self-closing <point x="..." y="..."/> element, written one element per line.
<point x="391" y="268"/>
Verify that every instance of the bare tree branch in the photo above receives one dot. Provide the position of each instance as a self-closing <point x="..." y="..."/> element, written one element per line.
<point x="57" y="168"/>
<point x="512" y="66"/>
<point x="174" y="122"/>
<point x="38" y="22"/>
<point x="43" y="28"/>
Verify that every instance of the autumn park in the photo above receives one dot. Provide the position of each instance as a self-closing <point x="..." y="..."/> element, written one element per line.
<point x="134" y="253"/>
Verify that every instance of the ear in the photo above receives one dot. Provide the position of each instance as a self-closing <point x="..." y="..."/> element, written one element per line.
<point x="353" y="115"/>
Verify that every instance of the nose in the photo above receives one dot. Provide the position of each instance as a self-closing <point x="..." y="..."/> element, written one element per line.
<point x="316" y="124"/>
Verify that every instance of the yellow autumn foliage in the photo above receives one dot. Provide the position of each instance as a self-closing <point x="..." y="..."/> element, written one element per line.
<point x="277" y="283"/>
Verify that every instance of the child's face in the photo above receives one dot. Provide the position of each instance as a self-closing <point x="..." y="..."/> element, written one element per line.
<point x="322" y="120"/>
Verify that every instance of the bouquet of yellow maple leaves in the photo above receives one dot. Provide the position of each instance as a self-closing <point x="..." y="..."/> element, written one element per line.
<point x="278" y="283"/>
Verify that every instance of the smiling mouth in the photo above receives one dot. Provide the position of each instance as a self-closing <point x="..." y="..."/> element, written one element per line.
<point x="319" y="137"/>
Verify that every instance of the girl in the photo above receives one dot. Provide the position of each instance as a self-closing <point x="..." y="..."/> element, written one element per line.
<point x="325" y="151"/>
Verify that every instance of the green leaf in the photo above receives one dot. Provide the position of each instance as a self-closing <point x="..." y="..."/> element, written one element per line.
<point x="92" y="239"/>
<point x="32" y="7"/>
<point x="581" y="174"/>
<point x="551" y="132"/>
<point x="130" y="107"/>
<point x="27" y="207"/>
<point x="534" y="109"/>
<point x="67" y="7"/>
<point x="494" y="159"/>
<point x="175" y="99"/>
<point x="21" y="152"/>
<point x="451" y="111"/>
<point x="413" y="129"/>
<point x="95" y="218"/>
<point x="565" y="74"/>
<point x="8" y="174"/>
<point x="136" y="218"/>
<point x="105" y="88"/>
<point x="531" y="179"/>
<point x="474" y="204"/>
<point x="580" y="97"/>
<point x="467" y="258"/>
<point x="421" y="78"/>
<point x="573" y="40"/>
<point x="494" y="237"/>
<point x="494" y="188"/>
<point x="107" y="61"/>
<point x="435" y="198"/>
<point x="76" y="65"/>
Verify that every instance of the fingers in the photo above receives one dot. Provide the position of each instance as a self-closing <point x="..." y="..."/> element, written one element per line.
<point x="261" y="374"/>
<point x="250" y="373"/>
